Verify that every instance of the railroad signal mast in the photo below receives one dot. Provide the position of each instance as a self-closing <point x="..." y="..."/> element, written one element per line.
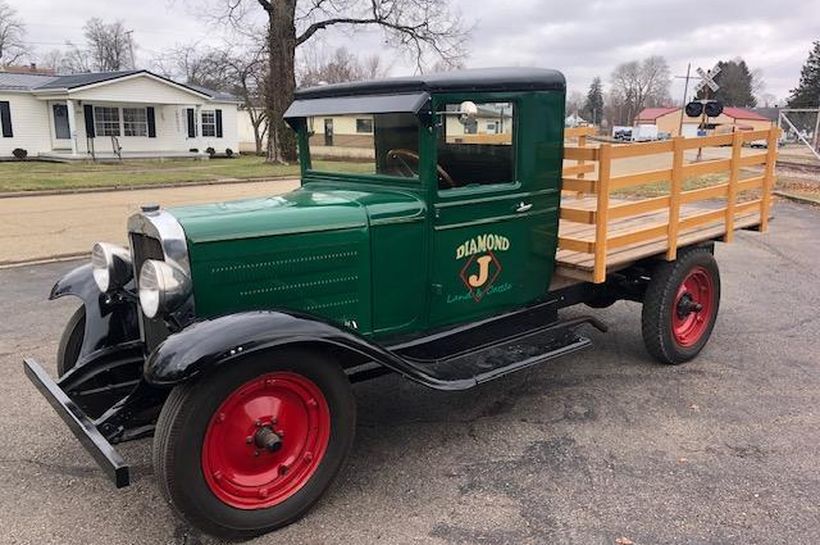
<point x="705" y="108"/>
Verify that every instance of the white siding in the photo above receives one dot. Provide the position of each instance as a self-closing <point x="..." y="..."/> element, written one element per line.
<point x="140" y="89"/>
<point x="30" y="125"/>
<point x="247" y="141"/>
<point x="172" y="131"/>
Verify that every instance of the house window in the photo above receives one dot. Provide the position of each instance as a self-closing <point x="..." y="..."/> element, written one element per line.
<point x="208" y="123"/>
<point x="364" y="125"/>
<point x="106" y="121"/>
<point x="135" y="122"/>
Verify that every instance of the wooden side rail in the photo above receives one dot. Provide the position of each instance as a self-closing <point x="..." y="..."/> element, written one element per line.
<point x="662" y="219"/>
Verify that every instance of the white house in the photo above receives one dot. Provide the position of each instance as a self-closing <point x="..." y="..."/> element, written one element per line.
<point x="145" y="115"/>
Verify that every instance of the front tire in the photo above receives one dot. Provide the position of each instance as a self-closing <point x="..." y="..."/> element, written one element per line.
<point x="251" y="447"/>
<point x="680" y="306"/>
<point x="71" y="342"/>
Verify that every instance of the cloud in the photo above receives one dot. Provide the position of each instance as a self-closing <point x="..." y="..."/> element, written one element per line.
<point x="583" y="39"/>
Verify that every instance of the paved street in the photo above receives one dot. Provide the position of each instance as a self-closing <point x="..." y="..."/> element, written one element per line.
<point x="600" y="445"/>
<point x="44" y="226"/>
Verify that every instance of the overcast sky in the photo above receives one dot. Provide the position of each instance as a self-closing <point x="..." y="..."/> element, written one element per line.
<point x="583" y="39"/>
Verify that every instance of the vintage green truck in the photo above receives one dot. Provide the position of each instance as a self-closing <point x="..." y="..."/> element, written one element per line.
<point x="422" y="241"/>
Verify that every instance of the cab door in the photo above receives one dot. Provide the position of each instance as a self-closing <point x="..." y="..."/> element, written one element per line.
<point x="492" y="249"/>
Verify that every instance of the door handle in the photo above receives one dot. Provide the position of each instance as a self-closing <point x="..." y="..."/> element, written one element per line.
<point x="523" y="206"/>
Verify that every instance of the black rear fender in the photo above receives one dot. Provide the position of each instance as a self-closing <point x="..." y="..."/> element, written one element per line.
<point x="109" y="321"/>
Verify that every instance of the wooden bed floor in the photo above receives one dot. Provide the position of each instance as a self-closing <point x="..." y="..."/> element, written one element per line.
<point x="579" y="265"/>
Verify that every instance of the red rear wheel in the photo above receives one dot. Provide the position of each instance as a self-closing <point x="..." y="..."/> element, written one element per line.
<point x="681" y="305"/>
<point x="265" y="441"/>
<point x="692" y="311"/>
<point x="252" y="446"/>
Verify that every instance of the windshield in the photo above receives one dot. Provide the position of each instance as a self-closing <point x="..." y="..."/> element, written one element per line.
<point x="385" y="144"/>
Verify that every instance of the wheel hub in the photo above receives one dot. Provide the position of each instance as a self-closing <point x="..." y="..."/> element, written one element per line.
<point x="692" y="312"/>
<point x="266" y="440"/>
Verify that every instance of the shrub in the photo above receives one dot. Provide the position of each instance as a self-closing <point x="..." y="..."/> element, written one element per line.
<point x="210" y="151"/>
<point x="229" y="152"/>
<point x="19" y="153"/>
<point x="194" y="150"/>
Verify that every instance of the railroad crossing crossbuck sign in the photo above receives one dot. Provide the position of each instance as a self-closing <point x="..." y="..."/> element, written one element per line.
<point x="707" y="79"/>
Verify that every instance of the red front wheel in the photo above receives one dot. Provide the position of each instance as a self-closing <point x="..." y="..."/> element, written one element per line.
<point x="269" y="434"/>
<point x="681" y="305"/>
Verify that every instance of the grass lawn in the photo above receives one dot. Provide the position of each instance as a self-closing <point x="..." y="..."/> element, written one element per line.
<point x="34" y="176"/>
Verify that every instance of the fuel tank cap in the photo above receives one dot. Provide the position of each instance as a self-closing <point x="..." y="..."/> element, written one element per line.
<point x="150" y="207"/>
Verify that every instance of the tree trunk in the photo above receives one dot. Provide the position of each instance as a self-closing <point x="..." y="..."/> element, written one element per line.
<point x="281" y="80"/>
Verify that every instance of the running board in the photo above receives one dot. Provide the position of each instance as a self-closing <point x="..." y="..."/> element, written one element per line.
<point x="466" y="369"/>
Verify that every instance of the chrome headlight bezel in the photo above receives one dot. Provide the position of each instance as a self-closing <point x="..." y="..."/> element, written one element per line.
<point x="162" y="287"/>
<point x="111" y="266"/>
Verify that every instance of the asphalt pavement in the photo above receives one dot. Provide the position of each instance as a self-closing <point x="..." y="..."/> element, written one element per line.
<point x="601" y="447"/>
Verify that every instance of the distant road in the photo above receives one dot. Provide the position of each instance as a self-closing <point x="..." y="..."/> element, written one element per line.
<point x="44" y="227"/>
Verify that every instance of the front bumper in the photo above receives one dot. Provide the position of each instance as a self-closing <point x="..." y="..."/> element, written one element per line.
<point x="83" y="427"/>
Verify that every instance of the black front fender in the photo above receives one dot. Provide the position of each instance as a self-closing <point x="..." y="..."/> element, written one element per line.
<point x="109" y="321"/>
<point x="207" y="344"/>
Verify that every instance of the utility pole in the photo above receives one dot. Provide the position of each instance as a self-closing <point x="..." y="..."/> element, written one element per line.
<point x="685" y="92"/>
<point x="131" y="47"/>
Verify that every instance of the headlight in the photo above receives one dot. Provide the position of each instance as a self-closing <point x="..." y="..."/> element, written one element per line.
<point x="111" y="266"/>
<point x="162" y="287"/>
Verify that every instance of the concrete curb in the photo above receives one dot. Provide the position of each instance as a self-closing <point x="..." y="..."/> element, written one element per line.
<point x="43" y="260"/>
<point x="117" y="188"/>
<point x="797" y="198"/>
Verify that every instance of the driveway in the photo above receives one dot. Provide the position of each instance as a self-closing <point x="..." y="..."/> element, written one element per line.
<point x="589" y="449"/>
<point x="44" y="226"/>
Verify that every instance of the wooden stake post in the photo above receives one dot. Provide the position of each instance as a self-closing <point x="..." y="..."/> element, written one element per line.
<point x="675" y="188"/>
<point x="602" y="212"/>
<point x="768" y="177"/>
<point x="731" y="194"/>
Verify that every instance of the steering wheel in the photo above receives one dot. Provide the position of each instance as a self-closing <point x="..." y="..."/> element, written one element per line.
<point x="408" y="162"/>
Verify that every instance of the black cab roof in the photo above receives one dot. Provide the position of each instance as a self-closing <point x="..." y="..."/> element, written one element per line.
<point x="476" y="80"/>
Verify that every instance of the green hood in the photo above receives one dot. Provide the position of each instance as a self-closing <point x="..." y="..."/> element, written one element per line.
<point x="307" y="250"/>
<point x="300" y="211"/>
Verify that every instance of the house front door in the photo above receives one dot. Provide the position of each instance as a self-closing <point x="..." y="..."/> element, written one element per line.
<point x="62" y="130"/>
<point x="328" y="132"/>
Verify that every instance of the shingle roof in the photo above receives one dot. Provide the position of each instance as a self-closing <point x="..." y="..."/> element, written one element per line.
<point x="80" y="80"/>
<point x="741" y="113"/>
<point x="651" y="114"/>
<point x="215" y="95"/>
<point x="35" y="82"/>
<point x="23" y="82"/>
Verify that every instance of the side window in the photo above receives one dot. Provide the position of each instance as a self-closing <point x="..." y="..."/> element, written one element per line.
<point x="476" y="149"/>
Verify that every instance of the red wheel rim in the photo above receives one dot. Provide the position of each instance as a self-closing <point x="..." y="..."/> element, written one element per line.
<point x="692" y="310"/>
<point x="248" y="467"/>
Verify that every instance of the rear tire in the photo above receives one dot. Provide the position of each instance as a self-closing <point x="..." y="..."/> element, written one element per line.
<point x="251" y="447"/>
<point x="71" y="342"/>
<point x="681" y="305"/>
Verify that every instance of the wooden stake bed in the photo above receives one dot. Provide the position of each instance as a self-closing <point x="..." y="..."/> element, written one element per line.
<point x="581" y="265"/>
<point x="599" y="234"/>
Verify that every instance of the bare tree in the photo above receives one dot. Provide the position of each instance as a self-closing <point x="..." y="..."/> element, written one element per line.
<point x="637" y="85"/>
<point x="12" y="33"/>
<point x="108" y="48"/>
<point x="575" y="102"/>
<point x="420" y="27"/>
<point x="240" y="72"/>
<point x="196" y="65"/>
<point x="316" y="67"/>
